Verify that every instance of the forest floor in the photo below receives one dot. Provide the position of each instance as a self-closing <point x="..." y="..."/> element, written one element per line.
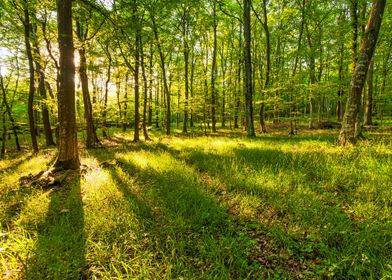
<point x="197" y="207"/>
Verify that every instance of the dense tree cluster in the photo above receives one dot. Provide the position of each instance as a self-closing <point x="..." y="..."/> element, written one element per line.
<point x="201" y="64"/>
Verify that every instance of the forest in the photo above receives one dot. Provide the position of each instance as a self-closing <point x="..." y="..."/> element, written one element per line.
<point x="203" y="139"/>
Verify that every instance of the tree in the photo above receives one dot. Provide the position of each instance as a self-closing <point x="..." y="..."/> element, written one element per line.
<point x="214" y="69"/>
<point x="42" y="89"/>
<point x="81" y="32"/>
<point x="248" y="71"/>
<point x="30" y="104"/>
<point x="350" y="128"/>
<point x="68" y="157"/>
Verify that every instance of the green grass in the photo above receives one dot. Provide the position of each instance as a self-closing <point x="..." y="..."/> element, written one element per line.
<point x="205" y="208"/>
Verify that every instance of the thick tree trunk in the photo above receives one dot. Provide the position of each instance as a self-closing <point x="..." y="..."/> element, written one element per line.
<point x="30" y="104"/>
<point x="248" y="70"/>
<point x="68" y="157"/>
<point x="350" y="128"/>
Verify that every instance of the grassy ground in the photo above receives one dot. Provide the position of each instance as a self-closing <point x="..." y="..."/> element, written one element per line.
<point x="204" y="208"/>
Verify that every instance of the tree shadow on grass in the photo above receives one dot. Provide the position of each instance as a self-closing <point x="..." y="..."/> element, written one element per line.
<point x="191" y="235"/>
<point x="59" y="251"/>
<point x="301" y="217"/>
<point x="308" y="218"/>
<point x="14" y="163"/>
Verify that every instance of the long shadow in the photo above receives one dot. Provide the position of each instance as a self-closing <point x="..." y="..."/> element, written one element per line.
<point x="59" y="252"/>
<point x="190" y="230"/>
<point x="324" y="231"/>
<point x="15" y="163"/>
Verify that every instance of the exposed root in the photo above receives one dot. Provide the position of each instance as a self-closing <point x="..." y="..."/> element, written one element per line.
<point x="48" y="179"/>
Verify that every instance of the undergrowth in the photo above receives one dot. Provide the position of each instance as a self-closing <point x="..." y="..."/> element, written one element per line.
<point x="198" y="207"/>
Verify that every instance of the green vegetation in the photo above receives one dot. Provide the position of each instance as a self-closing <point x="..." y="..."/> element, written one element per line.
<point x="196" y="207"/>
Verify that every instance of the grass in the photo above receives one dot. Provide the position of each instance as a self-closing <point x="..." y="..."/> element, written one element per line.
<point x="201" y="207"/>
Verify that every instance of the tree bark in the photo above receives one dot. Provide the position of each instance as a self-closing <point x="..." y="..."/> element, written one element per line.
<point x="145" y="91"/>
<point x="369" y="96"/>
<point x="92" y="138"/>
<point x="10" y="116"/>
<point x="105" y="101"/>
<point x="4" y="134"/>
<point x="339" y="111"/>
<point x="150" y="86"/>
<point x="213" y="71"/>
<point x="263" y="127"/>
<point x="163" y="67"/>
<point x="350" y="128"/>
<point x="136" y="136"/>
<point x="42" y="89"/>
<point x="354" y="36"/>
<point x="68" y="157"/>
<point x="30" y="104"/>
<point x="312" y="79"/>
<point x="248" y="70"/>
<point x="124" y="120"/>
<point x="186" y="62"/>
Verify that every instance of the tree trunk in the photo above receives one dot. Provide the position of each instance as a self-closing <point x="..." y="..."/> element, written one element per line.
<point x="41" y="87"/>
<point x="193" y="62"/>
<point x="68" y="157"/>
<point x="248" y="70"/>
<point x="30" y="104"/>
<point x="213" y="71"/>
<point x="105" y="101"/>
<point x="369" y="97"/>
<point x="124" y="120"/>
<point x="186" y="62"/>
<point x="354" y="38"/>
<point x="339" y="111"/>
<point x="383" y="84"/>
<point x="223" y="60"/>
<point x="312" y="79"/>
<point x="136" y="137"/>
<point x="92" y="138"/>
<point x="163" y="67"/>
<point x="9" y="112"/>
<point x="350" y="128"/>
<point x="263" y="127"/>
<point x="150" y="86"/>
<point x="118" y="92"/>
<point x="4" y="134"/>
<point x="145" y="92"/>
